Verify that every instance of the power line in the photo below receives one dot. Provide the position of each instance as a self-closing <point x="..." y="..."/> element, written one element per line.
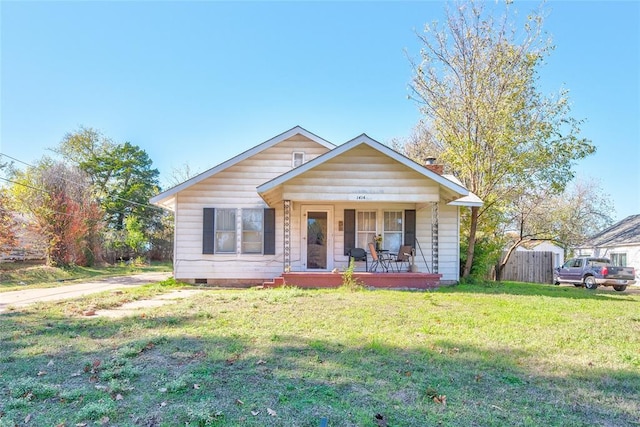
<point x="49" y="193"/>
<point x="48" y="210"/>
<point x="144" y="205"/>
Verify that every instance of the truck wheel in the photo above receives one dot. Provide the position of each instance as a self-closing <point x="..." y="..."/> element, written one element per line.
<point x="619" y="288"/>
<point x="590" y="283"/>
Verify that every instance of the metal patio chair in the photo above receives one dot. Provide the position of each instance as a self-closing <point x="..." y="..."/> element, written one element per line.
<point x="359" y="254"/>
<point x="378" y="259"/>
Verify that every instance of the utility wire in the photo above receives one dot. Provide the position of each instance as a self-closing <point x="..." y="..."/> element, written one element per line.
<point x="145" y="205"/>
<point x="42" y="190"/>
<point x="48" y="210"/>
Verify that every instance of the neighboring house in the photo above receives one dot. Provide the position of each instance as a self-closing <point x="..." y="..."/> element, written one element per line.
<point x="545" y="246"/>
<point x="620" y="243"/>
<point x="298" y="203"/>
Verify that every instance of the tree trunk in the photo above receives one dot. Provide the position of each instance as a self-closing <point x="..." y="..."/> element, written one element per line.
<point x="472" y="241"/>
<point x="505" y="260"/>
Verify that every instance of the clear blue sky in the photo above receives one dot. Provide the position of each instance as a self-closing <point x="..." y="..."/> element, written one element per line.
<point x="199" y="82"/>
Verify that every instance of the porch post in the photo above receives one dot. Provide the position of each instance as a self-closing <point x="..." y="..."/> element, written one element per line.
<point x="434" y="237"/>
<point x="286" y="259"/>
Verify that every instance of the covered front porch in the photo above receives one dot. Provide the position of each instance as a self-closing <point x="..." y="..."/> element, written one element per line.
<point x="402" y="280"/>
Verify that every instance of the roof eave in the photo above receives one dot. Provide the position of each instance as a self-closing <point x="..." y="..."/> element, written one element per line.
<point x="445" y="181"/>
<point x="244" y="155"/>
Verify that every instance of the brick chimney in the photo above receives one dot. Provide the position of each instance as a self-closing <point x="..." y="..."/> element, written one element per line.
<point x="430" y="163"/>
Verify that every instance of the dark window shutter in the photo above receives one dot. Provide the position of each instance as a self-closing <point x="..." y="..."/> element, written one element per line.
<point x="410" y="228"/>
<point x="349" y="230"/>
<point x="269" y="233"/>
<point x="208" y="230"/>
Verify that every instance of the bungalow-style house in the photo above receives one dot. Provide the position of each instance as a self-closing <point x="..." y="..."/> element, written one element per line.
<point x="298" y="204"/>
<point x="619" y="242"/>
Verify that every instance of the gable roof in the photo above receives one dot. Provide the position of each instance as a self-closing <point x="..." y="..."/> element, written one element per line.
<point x="625" y="232"/>
<point x="451" y="184"/>
<point x="165" y="196"/>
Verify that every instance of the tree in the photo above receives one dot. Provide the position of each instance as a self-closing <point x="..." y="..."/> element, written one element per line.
<point x="475" y="84"/>
<point x="59" y="199"/>
<point x="7" y="222"/>
<point x="124" y="180"/>
<point x="566" y="218"/>
<point x="180" y="174"/>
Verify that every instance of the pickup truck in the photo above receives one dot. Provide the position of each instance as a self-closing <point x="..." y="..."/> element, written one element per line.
<point x="592" y="272"/>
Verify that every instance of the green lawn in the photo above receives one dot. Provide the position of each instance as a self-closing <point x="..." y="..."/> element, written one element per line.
<point x="20" y="275"/>
<point x="471" y="355"/>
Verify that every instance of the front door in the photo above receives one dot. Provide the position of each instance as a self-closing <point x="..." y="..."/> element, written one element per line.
<point x="316" y="241"/>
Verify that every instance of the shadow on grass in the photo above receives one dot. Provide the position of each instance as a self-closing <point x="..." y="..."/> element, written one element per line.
<point x="170" y="370"/>
<point x="539" y="289"/>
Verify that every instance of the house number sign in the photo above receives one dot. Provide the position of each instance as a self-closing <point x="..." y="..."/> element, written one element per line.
<point x="363" y="197"/>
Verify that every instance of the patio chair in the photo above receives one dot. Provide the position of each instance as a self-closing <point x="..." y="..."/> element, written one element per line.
<point x="403" y="257"/>
<point x="359" y="254"/>
<point x="378" y="259"/>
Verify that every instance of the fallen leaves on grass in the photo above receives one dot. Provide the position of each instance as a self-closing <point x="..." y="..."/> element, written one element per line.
<point x="436" y="397"/>
<point x="233" y="359"/>
<point x="380" y="420"/>
<point x="93" y="367"/>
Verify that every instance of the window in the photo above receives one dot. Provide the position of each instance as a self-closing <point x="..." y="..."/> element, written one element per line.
<point x="298" y="159"/>
<point x="365" y="228"/>
<point x="392" y="237"/>
<point x="252" y="227"/>
<point x="619" y="259"/>
<point x="225" y="224"/>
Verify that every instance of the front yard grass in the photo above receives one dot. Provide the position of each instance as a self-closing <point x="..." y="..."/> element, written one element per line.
<point x="474" y="355"/>
<point x="24" y="275"/>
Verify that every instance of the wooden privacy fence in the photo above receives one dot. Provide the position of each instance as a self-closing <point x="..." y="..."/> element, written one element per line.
<point x="529" y="266"/>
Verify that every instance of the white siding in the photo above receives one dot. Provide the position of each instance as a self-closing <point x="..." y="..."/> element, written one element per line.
<point x="234" y="187"/>
<point x="449" y="239"/>
<point x="362" y="172"/>
<point x="385" y="184"/>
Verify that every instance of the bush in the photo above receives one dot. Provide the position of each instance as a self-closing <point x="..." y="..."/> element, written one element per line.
<point x="348" y="281"/>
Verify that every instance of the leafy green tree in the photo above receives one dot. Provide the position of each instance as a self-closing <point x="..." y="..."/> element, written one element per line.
<point x="123" y="179"/>
<point x="476" y="86"/>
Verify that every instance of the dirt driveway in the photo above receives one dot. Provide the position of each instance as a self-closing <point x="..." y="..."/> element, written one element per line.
<point x="30" y="296"/>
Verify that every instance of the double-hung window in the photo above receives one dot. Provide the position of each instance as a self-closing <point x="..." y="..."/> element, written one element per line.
<point x="225" y="232"/>
<point x="619" y="259"/>
<point x="365" y="228"/>
<point x="252" y="229"/>
<point x="392" y="233"/>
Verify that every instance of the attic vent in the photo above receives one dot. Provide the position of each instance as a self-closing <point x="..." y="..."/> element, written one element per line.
<point x="298" y="159"/>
